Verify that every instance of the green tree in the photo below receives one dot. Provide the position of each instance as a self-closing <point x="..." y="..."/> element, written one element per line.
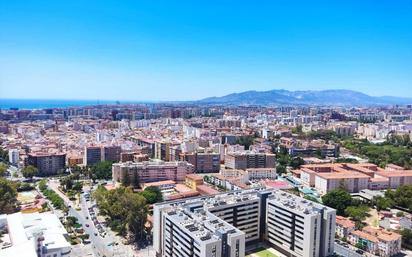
<point x="338" y="199"/>
<point x="382" y="203"/>
<point x="246" y="141"/>
<point x="406" y="239"/>
<point x="8" y="196"/>
<point x="280" y="169"/>
<point x="3" y="169"/>
<point x="296" y="162"/>
<point x="78" y="186"/>
<point x="102" y="170"/>
<point x="357" y="213"/>
<point x="125" y="210"/>
<point x="29" y="171"/>
<point x="152" y="194"/>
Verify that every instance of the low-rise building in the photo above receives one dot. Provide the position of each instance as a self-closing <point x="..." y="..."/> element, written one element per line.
<point x="34" y="235"/>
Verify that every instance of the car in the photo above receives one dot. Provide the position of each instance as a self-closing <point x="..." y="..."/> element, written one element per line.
<point x="95" y="234"/>
<point x="87" y="217"/>
<point x="359" y="251"/>
<point x="87" y="225"/>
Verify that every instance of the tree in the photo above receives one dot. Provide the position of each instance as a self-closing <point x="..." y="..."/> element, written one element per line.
<point x="296" y="162"/>
<point x="357" y="214"/>
<point x="8" y="196"/>
<point x="152" y="194"/>
<point x="102" y="170"/>
<point x="280" y="169"/>
<point x="29" y="171"/>
<point x="406" y="238"/>
<point x="78" y="186"/>
<point x="382" y="203"/>
<point x="66" y="183"/>
<point x="126" y="211"/>
<point x="246" y="141"/>
<point x="3" y="169"/>
<point x="338" y="199"/>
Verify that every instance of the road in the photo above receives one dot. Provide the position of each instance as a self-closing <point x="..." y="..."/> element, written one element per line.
<point x="100" y="245"/>
<point x="346" y="252"/>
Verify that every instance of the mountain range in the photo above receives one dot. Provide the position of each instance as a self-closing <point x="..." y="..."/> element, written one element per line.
<point x="338" y="97"/>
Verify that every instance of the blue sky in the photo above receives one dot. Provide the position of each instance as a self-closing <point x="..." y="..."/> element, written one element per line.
<point x="182" y="50"/>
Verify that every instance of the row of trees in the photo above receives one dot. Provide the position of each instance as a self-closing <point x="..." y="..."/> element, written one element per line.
<point x="54" y="198"/>
<point x="126" y="211"/>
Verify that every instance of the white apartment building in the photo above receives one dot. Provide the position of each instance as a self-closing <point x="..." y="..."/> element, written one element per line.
<point x="299" y="227"/>
<point x="14" y="157"/>
<point x="35" y="234"/>
<point x="199" y="234"/>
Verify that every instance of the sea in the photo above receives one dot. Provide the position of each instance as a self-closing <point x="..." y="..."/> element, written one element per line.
<point x="49" y="103"/>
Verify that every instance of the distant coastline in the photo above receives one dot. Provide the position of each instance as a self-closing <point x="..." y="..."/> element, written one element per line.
<point x="48" y="103"/>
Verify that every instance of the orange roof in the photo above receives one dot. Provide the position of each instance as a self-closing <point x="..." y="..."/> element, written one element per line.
<point x="207" y="190"/>
<point x="344" y="222"/>
<point x="194" y="177"/>
<point x="365" y="235"/>
<point x="393" y="173"/>
<point x="159" y="183"/>
<point x="341" y="175"/>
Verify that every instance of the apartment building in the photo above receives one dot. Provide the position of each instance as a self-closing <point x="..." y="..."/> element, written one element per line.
<point x="14" y="156"/>
<point x="199" y="234"/>
<point x="111" y="153"/>
<point x="95" y="154"/>
<point x="47" y="164"/>
<point x="92" y="155"/>
<point x="203" y="162"/>
<point x="299" y="227"/>
<point x="377" y="241"/>
<point x="353" y="177"/>
<point x="344" y="226"/>
<point x="291" y="224"/>
<point x="246" y="160"/>
<point x="150" y="171"/>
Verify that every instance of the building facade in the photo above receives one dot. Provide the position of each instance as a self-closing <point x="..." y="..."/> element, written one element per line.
<point x="291" y="224"/>
<point x="47" y="164"/>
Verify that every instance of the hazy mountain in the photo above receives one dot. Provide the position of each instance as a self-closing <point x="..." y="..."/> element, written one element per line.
<point x="323" y="97"/>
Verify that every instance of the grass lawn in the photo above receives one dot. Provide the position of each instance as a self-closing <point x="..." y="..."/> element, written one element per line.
<point x="264" y="253"/>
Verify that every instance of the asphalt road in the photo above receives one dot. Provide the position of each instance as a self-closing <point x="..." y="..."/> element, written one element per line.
<point x="99" y="245"/>
<point x="346" y="252"/>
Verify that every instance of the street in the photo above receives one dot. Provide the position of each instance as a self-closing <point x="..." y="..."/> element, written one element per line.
<point x="345" y="251"/>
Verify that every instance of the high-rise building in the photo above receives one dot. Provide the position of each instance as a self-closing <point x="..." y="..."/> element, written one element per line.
<point x="14" y="157"/>
<point x="200" y="234"/>
<point x="203" y="162"/>
<point x="290" y="224"/>
<point x="92" y="155"/>
<point x="95" y="154"/>
<point x="111" y="153"/>
<point x="246" y="160"/>
<point x="47" y="164"/>
<point x="299" y="227"/>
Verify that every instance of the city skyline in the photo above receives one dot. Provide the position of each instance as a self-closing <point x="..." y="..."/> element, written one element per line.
<point x="168" y="52"/>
